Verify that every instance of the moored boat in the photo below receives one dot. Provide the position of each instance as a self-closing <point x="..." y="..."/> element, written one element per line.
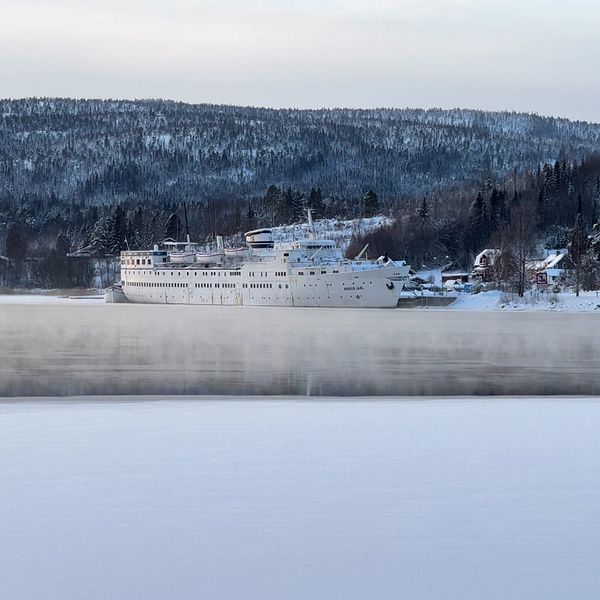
<point x="305" y="272"/>
<point x="114" y="294"/>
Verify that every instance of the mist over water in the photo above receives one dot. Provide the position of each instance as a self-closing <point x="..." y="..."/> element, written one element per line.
<point x="58" y="350"/>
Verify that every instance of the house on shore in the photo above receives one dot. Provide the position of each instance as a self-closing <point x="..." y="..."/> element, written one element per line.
<point x="483" y="267"/>
<point x="549" y="270"/>
<point x="454" y="280"/>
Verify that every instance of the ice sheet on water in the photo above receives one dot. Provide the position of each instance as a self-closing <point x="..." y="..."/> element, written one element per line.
<point x="288" y="500"/>
<point x="27" y="299"/>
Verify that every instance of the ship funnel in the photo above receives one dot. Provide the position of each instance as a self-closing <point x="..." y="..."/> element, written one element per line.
<point x="260" y="239"/>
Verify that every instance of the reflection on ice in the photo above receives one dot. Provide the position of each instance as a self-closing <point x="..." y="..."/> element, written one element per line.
<point x="62" y="349"/>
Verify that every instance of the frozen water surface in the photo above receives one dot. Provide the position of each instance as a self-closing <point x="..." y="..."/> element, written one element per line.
<point x="289" y="499"/>
<point x="91" y="348"/>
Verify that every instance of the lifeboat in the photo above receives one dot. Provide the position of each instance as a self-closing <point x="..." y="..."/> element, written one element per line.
<point x="209" y="258"/>
<point x="241" y="252"/>
<point x="182" y="257"/>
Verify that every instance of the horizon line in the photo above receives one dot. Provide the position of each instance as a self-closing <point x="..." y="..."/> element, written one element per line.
<point x="303" y="109"/>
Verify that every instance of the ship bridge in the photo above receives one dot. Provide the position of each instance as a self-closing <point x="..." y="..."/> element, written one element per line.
<point x="143" y="258"/>
<point x="309" y="251"/>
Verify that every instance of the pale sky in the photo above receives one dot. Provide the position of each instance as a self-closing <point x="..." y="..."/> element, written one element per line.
<point x="534" y="55"/>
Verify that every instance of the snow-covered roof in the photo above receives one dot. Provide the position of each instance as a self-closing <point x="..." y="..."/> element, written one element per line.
<point x="550" y="262"/>
<point x="553" y="260"/>
<point x="453" y="283"/>
<point x="491" y="255"/>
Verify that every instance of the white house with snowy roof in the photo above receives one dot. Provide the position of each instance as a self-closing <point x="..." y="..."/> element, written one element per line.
<point x="548" y="270"/>
<point x="483" y="267"/>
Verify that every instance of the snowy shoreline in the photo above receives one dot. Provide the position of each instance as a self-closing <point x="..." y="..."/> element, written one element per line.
<point x="91" y="399"/>
<point x="495" y="300"/>
<point x="492" y="301"/>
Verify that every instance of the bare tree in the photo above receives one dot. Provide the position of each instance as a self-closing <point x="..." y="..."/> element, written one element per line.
<point x="578" y="246"/>
<point x="517" y="242"/>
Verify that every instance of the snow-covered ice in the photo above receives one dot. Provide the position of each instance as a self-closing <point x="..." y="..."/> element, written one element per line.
<point x="23" y="299"/>
<point x="287" y="500"/>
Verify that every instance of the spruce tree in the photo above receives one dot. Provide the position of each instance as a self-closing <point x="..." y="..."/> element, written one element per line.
<point x="370" y="204"/>
<point x="423" y="211"/>
<point x="62" y="245"/>
<point x="271" y="204"/>
<point x="596" y="203"/>
<point x="315" y="201"/>
<point x="476" y="233"/>
<point x="541" y="209"/>
<point x="173" y="226"/>
<point x="102" y="240"/>
<point x="120" y="227"/>
<point x="494" y="212"/>
<point x="16" y="243"/>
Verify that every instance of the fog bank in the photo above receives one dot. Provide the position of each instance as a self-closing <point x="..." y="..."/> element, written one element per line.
<point x="59" y="350"/>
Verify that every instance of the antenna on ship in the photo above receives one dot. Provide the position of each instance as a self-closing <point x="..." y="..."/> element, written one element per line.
<point x="187" y="229"/>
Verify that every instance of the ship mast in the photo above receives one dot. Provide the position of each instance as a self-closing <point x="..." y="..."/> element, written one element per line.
<point x="187" y="229"/>
<point x="311" y="227"/>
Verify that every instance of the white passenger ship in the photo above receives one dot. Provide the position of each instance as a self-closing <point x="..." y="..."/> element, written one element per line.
<point x="308" y="272"/>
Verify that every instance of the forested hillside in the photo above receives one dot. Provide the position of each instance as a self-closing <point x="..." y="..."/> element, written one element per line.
<point x="104" y="175"/>
<point x="557" y="206"/>
<point x="158" y="151"/>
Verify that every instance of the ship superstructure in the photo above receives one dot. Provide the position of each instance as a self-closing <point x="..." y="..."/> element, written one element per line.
<point x="307" y="272"/>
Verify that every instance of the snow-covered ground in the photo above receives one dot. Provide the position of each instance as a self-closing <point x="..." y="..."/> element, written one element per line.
<point x="492" y="300"/>
<point x="49" y="299"/>
<point x="330" y="229"/>
<point x="560" y="302"/>
<point x="533" y="300"/>
<point x="281" y="499"/>
<point x="433" y="275"/>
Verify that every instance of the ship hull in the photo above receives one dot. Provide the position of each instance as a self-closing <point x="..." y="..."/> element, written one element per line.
<point x="370" y="288"/>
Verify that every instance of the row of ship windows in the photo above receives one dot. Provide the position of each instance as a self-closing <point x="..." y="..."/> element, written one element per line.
<point x="205" y="273"/>
<point x="314" y="272"/>
<point x="142" y="261"/>
<point x="155" y="284"/>
<point x="147" y="261"/>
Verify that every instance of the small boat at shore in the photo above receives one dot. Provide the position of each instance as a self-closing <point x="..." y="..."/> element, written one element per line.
<point x="114" y="294"/>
